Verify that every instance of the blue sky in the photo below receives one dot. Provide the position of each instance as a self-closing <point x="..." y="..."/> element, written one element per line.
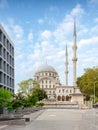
<point x="39" y="30"/>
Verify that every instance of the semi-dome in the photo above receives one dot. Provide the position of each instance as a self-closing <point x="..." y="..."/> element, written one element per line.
<point x="45" y="68"/>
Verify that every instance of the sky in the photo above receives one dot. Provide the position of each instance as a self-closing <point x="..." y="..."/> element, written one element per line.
<point x="40" y="29"/>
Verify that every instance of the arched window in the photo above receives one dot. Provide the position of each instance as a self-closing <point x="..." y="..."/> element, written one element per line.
<point x="63" y="98"/>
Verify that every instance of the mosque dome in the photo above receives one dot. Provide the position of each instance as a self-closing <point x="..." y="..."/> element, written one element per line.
<point x="46" y="68"/>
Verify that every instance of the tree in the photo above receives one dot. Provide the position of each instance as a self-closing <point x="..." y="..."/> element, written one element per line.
<point x="86" y="81"/>
<point x="5" y="97"/>
<point x="25" y="86"/>
<point x="40" y="93"/>
<point x="17" y="101"/>
<point x="32" y="100"/>
<point x="31" y="92"/>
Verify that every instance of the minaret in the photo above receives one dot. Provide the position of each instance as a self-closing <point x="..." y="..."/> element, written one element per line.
<point x="66" y="64"/>
<point x="74" y="55"/>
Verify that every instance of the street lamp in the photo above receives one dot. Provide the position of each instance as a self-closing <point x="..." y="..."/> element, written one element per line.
<point x="94" y="90"/>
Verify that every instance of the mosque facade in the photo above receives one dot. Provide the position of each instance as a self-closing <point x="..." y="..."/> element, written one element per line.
<point x="48" y="79"/>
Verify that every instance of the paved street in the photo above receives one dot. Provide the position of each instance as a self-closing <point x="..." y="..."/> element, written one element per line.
<point x="62" y="119"/>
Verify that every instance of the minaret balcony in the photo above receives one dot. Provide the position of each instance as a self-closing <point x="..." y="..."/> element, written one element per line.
<point x="74" y="59"/>
<point x="66" y="72"/>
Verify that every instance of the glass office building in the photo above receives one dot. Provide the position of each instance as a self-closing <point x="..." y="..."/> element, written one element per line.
<point x="6" y="61"/>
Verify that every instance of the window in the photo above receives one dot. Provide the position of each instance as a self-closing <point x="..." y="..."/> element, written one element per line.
<point x="0" y="35"/>
<point x="66" y="91"/>
<point x="63" y="90"/>
<point x="59" y="91"/>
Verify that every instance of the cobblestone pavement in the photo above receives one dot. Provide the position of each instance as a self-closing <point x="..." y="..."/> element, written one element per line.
<point x="61" y="119"/>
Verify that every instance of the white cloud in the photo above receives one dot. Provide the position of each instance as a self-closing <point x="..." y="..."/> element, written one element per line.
<point x="94" y="30"/>
<point x="19" y="57"/>
<point x="30" y="36"/>
<point x="15" y="31"/>
<point x="93" y="1"/>
<point x="96" y="19"/>
<point x="18" y="30"/>
<point x="89" y="41"/>
<point x="83" y="31"/>
<point x="77" y="11"/>
<point x="46" y="34"/>
<point x="65" y="28"/>
<point x="4" y="4"/>
<point x="40" y="21"/>
<point x="35" y="55"/>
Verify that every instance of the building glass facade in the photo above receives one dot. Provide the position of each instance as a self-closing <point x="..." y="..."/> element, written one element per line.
<point x="6" y="61"/>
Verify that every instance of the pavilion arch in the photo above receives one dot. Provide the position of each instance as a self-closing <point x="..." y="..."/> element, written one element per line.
<point x="63" y="98"/>
<point x="59" y="98"/>
<point x="68" y="98"/>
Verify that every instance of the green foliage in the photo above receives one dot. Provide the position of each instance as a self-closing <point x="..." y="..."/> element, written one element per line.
<point x="28" y="95"/>
<point x="87" y="80"/>
<point x="5" y="97"/>
<point x="41" y="93"/>
<point x="17" y="101"/>
<point x="33" y="99"/>
<point x="26" y="86"/>
<point x="40" y="104"/>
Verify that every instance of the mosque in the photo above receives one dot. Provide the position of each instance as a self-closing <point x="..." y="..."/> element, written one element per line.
<point x="48" y="79"/>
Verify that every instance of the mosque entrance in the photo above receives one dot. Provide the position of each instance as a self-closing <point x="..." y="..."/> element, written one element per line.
<point x="68" y="98"/>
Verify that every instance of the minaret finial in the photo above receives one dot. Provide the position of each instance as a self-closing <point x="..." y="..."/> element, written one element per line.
<point x="66" y="64"/>
<point x="66" y="49"/>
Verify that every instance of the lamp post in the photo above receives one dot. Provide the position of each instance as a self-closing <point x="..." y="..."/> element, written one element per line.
<point x="94" y="90"/>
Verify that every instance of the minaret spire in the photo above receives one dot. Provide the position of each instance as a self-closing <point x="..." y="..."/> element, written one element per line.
<point x="74" y="54"/>
<point x="66" y="64"/>
<point x="74" y="26"/>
